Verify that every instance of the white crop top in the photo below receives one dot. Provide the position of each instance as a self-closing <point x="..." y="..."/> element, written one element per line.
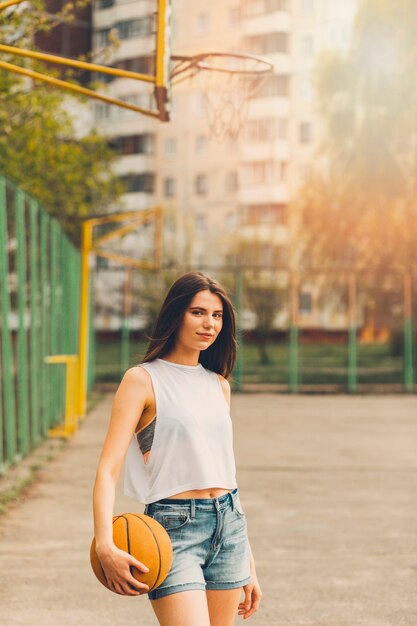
<point x="192" y="446"/>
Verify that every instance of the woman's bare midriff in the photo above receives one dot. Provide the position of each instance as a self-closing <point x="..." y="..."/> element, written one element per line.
<point x="213" y="492"/>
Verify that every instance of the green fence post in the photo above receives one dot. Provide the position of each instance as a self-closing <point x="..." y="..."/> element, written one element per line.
<point x="6" y="338"/>
<point x="352" y="344"/>
<point x="408" y="333"/>
<point x="125" y="330"/>
<point x="91" y="337"/>
<point x="239" y="328"/>
<point x="293" y="336"/>
<point x="35" y="347"/>
<point x="55" y="396"/>
<point x="46" y="373"/>
<point x="293" y="351"/>
<point x="60" y="329"/>
<point x="22" y="360"/>
<point x="125" y="345"/>
<point x="76" y="282"/>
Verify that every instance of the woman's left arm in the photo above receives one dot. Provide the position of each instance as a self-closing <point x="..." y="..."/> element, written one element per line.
<point x="253" y="593"/>
<point x="252" y="590"/>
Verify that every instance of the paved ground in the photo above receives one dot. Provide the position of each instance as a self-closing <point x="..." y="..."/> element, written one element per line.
<point x="329" y="485"/>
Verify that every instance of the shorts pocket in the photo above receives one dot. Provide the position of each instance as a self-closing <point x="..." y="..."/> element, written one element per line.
<point x="171" y="521"/>
<point x="238" y="507"/>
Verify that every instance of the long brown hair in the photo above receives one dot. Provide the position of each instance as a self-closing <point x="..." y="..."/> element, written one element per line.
<point x="220" y="357"/>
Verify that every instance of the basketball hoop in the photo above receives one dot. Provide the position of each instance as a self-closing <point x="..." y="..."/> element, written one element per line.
<point x="228" y="80"/>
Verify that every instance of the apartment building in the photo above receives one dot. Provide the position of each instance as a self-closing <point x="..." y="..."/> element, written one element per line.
<point x="70" y="39"/>
<point x="216" y="195"/>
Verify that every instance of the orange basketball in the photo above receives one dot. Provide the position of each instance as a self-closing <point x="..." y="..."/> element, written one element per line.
<point x="144" y="538"/>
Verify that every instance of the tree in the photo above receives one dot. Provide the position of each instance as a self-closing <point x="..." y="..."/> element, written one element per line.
<point x="39" y="150"/>
<point x="264" y="293"/>
<point x="363" y="186"/>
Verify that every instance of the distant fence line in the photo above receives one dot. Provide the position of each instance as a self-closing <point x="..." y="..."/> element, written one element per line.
<point x="376" y="348"/>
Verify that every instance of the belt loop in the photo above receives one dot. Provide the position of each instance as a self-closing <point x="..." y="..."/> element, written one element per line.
<point x="232" y="500"/>
<point x="192" y="508"/>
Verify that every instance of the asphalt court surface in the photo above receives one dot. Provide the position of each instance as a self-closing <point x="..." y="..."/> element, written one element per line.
<point x="329" y="486"/>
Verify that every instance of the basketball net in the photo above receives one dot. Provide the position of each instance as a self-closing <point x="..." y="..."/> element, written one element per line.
<point x="227" y="82"/>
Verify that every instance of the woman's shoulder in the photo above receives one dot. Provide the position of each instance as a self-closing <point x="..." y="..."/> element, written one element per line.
<point x="225" y="385"/>
<point x="136" y="374"/>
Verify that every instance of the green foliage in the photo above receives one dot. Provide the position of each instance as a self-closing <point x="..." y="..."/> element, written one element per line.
<point x="71" y="177"/>
<point x="358" y="208"/>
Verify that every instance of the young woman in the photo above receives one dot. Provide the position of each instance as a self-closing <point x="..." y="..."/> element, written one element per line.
<point x="170" y="419"/>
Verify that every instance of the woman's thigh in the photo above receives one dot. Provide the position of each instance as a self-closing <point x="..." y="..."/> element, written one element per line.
<point x="185" y="608"/>
<point x="223" y="605"/>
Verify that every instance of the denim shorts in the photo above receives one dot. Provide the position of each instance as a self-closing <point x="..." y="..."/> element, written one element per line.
<point x="209" y="541"/>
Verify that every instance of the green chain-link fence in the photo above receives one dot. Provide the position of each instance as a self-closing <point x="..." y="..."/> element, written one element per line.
<point x="39" y="306"/>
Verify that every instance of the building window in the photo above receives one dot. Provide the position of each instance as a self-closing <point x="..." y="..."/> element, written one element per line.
<point x="267" y="129"/>
<point x="101" y="262"/>
<point x="105" y="4"/>
<point x="306" y="132"/>
<point x="261" y="7"/>
<point x="282" y="129"/>
<point x="231" y="182"/>
<point x="109" y="112"/>
<point x="201" y="223"/>
<point x="139" y="27"/>
<point x="169" y="187"/>
<point x="307" y="47"/>
<point x="170" y="223"/>
<point x="307" y="7"/>
<point x="134" y="144"/>
<point x="304" y="303"/>
<point x="258" y="172"/>
<point x="102" y="112"/>
<point x="274" y="85"/>
<point x="267" y="43"/>
<point x="305" y="170"/>
<point x="231" y="222"/>
<point x="144" y="182"/>
<point x="170" y="147"/>
<point x="305" y="88"/>
<point x="265" y="214"/>
<point x="201" y="144"/>
<point x="200" y="184"/>
<point x="199" y="104"/>
<point x="202" y="23"/>
<point x="234" y="15"/>
<point x="101" y="37"/>
<point x="142" y="65"/>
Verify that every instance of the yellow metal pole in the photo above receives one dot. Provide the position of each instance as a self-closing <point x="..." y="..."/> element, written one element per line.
<point x="119" y="217"/>
<point x="75" y="88"/>
<point x="159" y="224"/>
<point x="9" y="3"/>
<point x="84" y="65"/>
<point x="162" y="68"/>
<point x="142" y="264"/>
<point x="86" y="246"/>
<point x="70" y="419"/>
<point x="160" y="44"/>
